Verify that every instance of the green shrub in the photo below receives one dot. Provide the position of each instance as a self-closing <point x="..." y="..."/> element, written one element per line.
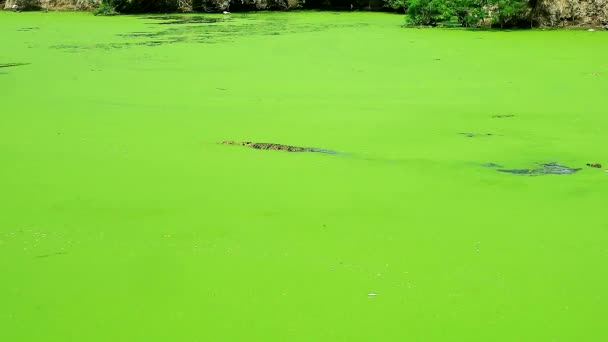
<point x="428" y="12"/>
<point x="508" y="12"/>
<point x="105" y="8"/>
<point x="501" y="13"/>
<point x="396" y="5"/>
<point x="470" y="12"/>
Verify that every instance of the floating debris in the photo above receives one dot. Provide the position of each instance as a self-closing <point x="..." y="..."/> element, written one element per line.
<point x="472" y="135"/>
<point x="50" y="255"/>
<point x="544" y="169"/>
<point x="503" y="116"/>
<point x="371" y="294"/>
<point x="25" y="29"/>
<point x="278" y="147"/>
<point x="595" y="165"/>
<point x="491" y="165"/>
<point x="9" y="65"/>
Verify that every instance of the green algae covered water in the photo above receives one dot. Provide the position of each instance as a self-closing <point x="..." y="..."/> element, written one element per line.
<point x="122" y="219"/>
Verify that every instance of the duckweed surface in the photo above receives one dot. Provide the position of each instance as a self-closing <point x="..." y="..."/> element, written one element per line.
<point x="124" y="219"/>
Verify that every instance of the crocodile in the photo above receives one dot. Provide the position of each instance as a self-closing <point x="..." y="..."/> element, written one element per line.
<point x="278" y="147"/>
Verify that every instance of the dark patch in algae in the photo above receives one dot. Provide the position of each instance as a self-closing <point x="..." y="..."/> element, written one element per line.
<point x="27" y="29"/>
<point x="544" y="169"/>
<point x="472" y="135"/>
<point x="201" y="29"/>
<point x="50" y="255"/>
<point x="9" y="65"/>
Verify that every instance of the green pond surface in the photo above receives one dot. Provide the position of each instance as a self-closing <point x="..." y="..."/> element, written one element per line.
<point x="123" y="219"/>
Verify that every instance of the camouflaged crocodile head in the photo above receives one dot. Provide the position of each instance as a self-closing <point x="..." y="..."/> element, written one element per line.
<point x="240" y="143"/>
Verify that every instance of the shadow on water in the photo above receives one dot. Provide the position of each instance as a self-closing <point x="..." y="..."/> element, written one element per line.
<point x="178" y="19"/>
<point x="207" y="30"/>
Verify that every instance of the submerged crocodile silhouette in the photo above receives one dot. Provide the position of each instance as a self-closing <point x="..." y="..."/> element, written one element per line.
<point x="279" y="147"/>
<point x="552" y="168"/>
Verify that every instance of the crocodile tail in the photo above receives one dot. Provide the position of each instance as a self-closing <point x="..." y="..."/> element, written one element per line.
<point x="322" y="150"/>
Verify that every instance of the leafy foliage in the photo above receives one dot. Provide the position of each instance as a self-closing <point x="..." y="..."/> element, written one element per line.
<point x="503" y="13"/>
<point x="397" y="5"/>
<point x="428" y="12"/>
<point x="508" y="12"/>
<point x="105" y="9"/>
<point x="470" y="12"/>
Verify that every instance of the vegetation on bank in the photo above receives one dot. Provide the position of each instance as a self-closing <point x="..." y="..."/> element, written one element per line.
<point x="166" y="6"/>
<point x="468" y="13"/>
<point x="473" y="13"/>
<point x="465" y="13"/>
